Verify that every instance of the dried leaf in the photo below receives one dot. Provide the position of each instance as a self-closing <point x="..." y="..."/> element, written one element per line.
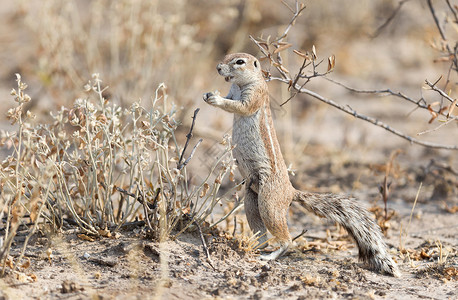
<point x="434" y="116"/>
<point x="101" y="177"/>
<point x="452" y="107"/>
<point x="21" y="277"/>
<point x="303" y="55"/>
<point x="424" y="255"/>
<point x="145" y="125"/>
<point x="102" y="119"/>
<point x="35" y="203"/>
<point x="451" y="209"/>
<point x="186" y="210"/>
<point x="9" y="262"/>
<point x="310" y="280"/>
<point x="432" y="112"/>
<point x="33" y="277"/>
<point x="231" y="175"/>
<point x="314" y="56"/>
<point x="205" y="189"/>
<point x="85" y="237"/>
<point x="331" y="62"/>
<point x="104" y="232"/>
<point x="16" y="212"/>
<point x="99" y="136"/>
<point x="26" y="264"/>
<point x="290" y="84"/>
<point x="282" y="47"/>
<point x="284" y="69"/>
<point x="443" y="59"/>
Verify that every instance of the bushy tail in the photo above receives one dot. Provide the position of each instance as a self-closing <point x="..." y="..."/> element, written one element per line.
<point x="359" y="224"/>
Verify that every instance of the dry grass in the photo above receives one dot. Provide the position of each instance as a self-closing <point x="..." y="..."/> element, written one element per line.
<point x="100" y="167"/>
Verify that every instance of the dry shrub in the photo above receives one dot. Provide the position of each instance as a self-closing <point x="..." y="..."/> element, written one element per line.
<point x="99" y="166"/>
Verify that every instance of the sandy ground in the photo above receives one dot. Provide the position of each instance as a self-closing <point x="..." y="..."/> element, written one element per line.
<point x="130" y="267"/>
<point x="322" y="265"/>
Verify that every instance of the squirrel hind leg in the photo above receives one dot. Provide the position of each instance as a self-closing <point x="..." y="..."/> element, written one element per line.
<point x="273" y="207"/>
<point x="254" y="218"/>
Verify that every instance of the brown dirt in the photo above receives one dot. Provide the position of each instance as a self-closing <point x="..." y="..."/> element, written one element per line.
<point x="130" y="266"/>
<point x="322" y="265"/>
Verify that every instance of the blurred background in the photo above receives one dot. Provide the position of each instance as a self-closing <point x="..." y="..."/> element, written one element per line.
<point x="136" y="45"/>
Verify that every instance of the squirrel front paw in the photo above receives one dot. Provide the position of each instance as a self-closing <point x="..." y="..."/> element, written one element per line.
<point x="212" y="98"/>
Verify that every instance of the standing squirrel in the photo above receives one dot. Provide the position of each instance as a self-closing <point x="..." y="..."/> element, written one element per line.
<point x="269" y="192"/>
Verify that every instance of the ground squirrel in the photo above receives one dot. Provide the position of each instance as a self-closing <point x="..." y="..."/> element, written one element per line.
<point x="269" y="192"/>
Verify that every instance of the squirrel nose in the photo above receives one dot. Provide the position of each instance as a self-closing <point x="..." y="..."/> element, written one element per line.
<point x="218" y="67"/>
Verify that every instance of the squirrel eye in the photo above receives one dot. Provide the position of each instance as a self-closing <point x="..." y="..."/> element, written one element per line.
<point x="240" y="62"/>
<point x="255" y="64"/>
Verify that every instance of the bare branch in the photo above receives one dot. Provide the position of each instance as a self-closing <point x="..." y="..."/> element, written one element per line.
<point x="298" y="10"/>
<point x="441" y="125"/>
<point x="190" y="156"/>
<point x="298" y="82"/>
<point x="441" y="92"/>
<point x="436" y="20"/>
<point x="304" y="231"/>
<point x="188" y="138"/>
<point x="204" y="245"/>
<point x="452" y="10"/>
<point x="371" y="120"/>
<point x="421" y="103"/>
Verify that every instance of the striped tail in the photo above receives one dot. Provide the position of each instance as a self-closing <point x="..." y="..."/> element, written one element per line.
<point x="359" y="224"/>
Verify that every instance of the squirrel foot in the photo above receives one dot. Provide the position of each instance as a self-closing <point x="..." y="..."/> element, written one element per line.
<point x="276" y="254"/>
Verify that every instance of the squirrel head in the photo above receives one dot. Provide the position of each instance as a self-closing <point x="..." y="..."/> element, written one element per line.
<point x="240" y="68"/>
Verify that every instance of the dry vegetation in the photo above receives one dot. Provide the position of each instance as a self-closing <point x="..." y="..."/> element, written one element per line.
<point x="106" y="191"/>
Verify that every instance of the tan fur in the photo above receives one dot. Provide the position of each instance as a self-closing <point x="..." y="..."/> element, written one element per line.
<point x="269" y="192"/>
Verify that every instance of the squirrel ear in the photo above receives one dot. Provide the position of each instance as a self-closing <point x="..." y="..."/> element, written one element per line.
<point x="255" y="64"/>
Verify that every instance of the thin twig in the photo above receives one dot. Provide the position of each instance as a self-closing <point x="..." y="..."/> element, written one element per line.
<point x="441" y="92"/>
<point x="204" y="244"/>
<point x="436" y="20"/>
<point x="452" y="10"/>
<point x="389" y="19"/>
<point x="444" y="123"/>
<point x="299" y="8"/>
<point x="190" y="156"/>
<point x="304" y="231"/>
<point x="421" y="103"/>
<point x="233" y="210"/>
<point x="188" y="138"/>
<point x="235" y="226"/>
<point x="413" y="207"/>
<point x="140" y="198"/>
<point x="146" y="209"/>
